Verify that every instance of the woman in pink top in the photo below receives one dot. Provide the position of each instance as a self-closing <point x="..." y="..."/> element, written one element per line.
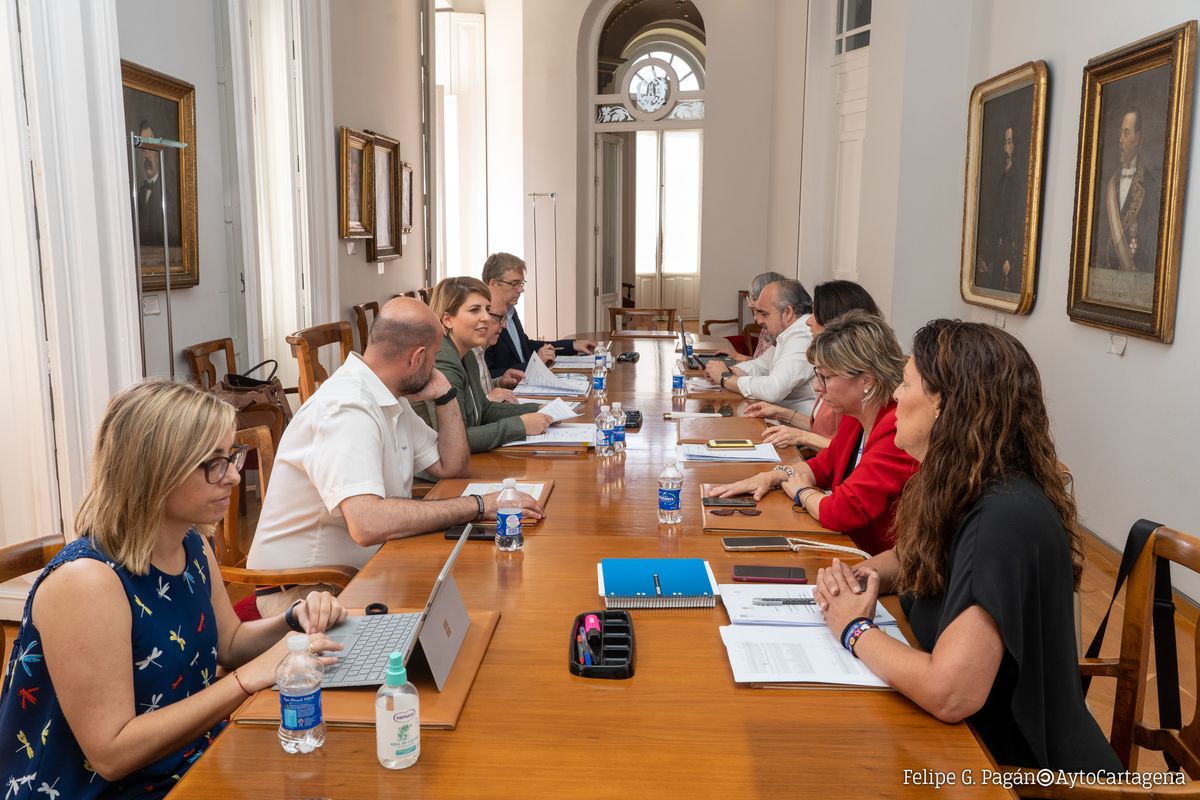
<point x="830" y="300"/>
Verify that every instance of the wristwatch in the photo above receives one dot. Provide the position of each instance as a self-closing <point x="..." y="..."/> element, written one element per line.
<point x="447" y="397"/>
<point x="725" y="376"/>
<point x="289" y="617"/>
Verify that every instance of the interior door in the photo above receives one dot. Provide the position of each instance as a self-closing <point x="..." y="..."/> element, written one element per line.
<point x="610" y="153"/>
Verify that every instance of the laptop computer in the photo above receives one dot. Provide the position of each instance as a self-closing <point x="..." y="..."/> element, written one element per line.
<point x="697" y="362"/>
<point x="368" y="640"/>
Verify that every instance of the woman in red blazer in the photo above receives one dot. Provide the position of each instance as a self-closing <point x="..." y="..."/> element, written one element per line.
<point x="853" y="485"/>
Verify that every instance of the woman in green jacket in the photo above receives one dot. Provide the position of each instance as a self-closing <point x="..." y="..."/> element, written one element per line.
<point x="462" y="306"/>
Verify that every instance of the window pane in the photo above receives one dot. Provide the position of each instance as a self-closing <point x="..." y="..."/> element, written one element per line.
<point x="681" y="202"/>
<point x="689" y="84"/>
<point x="858" y="14"/>
<point x="841" y="15"/>
<point x="858" y="40"/>
<point x="646" y="235"/>
<point x="837" y="47"/>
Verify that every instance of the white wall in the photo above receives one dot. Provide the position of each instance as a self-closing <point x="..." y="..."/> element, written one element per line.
<point x="376" y="55"/>
<point x="1125" y="425"/>
<point x="179" y="38"/>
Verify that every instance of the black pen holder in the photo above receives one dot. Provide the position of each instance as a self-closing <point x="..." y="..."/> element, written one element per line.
<point x="614" y="657"/>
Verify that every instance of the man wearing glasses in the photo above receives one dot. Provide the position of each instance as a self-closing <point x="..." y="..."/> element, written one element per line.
<point x="504" y="275"/>
<point x="499" y="390"/>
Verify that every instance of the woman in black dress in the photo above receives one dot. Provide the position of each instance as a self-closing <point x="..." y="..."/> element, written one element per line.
<point x="987" y="556"/>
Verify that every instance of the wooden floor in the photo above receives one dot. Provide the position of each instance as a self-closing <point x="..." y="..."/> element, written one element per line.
<point x="1098" y="578"/>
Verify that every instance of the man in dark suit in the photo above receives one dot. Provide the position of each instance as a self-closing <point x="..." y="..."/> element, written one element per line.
<point x="504" y="275"/>
<point x="1128" y="206"/>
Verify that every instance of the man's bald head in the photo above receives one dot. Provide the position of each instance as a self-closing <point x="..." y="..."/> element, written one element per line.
<point x="404" y="323"/>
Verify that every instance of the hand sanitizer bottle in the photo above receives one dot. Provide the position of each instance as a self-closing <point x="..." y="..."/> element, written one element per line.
<point x="397" y="718"/>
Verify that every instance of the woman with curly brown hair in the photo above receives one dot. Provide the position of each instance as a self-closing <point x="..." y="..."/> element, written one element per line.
<point x="987" y="556"/>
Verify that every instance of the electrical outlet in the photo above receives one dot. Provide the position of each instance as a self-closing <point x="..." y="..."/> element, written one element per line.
<point x="1000" y="319"/>
<point x="1116" y="344"/>
<point x="379" y="266"/>
<point x="150" y="305"/>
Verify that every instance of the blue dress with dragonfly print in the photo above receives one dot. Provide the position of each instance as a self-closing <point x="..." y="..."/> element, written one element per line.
<point x="174" y="655"/>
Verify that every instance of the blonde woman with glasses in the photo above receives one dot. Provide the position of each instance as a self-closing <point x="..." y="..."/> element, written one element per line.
<point x="853" y="485"/>
<point x="462" y="306"/>
<point x="112" y="686"/>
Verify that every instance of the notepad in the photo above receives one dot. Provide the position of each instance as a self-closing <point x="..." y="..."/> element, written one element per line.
<point x="656" y="583"/>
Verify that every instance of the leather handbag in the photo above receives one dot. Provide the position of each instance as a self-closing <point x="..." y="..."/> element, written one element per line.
<point x="259" y="401"/>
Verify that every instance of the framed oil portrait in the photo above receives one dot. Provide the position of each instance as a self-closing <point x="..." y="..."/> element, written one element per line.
<point x="1129" y="185"/>
<point x="385" y="244"/>
<point x="406" y="195"/>
<point x="356" y="190"/>
<point x="1002" y="199"/>
<point x="162" y="107"/>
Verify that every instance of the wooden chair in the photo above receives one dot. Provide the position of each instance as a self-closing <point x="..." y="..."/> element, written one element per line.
<point x="627" y="290"/>
<point x="25" y="557"/>
<point x="706" y="326"/>
<point x="425" y="294"/>
<point x="305" y="346"/>
<point x="637" y="317"/>
<point x="199" y="361"/>
<point x="364" y="326"/>
<point x="1132" y="670"/>
<point x="229" y="548"/>
<point x="750" y="335"/>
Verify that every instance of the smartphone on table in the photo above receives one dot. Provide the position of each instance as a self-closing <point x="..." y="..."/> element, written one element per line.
<point x="755" y="543"/>
<point x="756" y="573"/>
<point x="730" y="444"/>
<point x="478" y="533"/>
<point x="728" y="502"/>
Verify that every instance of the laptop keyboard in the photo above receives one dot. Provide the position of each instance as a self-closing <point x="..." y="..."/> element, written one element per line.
<point x="364" y="661"/>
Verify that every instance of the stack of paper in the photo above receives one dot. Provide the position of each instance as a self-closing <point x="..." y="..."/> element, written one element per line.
<point x="565" y="435"/>
<point x="531" y="489"/>
<point x="559" y="410"/>
<point x="698" y="452"/>
<point x="574" y="362"/>
<point x="702" y="385"/>
<point x="761" y="654"/>
<point x="539" y="380"/>
<point x="739" y="602"/>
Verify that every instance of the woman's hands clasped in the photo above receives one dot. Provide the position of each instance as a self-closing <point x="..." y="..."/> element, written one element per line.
<point x="845" y="593"/>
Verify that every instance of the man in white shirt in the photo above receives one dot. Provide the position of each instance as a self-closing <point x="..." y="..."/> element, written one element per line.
<point x="781" y="375"/>
<point x="342" y="479"/>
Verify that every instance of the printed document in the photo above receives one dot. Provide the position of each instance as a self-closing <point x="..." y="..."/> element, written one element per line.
<point x="768" y="654"/>
<point x="699" y="452"/>
<point x="531" y="489"/>
<point x="567" y="434"/>
<point x="739" y="603"/>
<point x="539" y="380"/>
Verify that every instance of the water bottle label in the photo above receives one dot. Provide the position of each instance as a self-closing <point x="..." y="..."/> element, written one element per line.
<point x="300" y="712"/>
<point x="688" y="349"/>
<point x="676" y="381"/>
<point x="604" y="438"/>
<point x="668" y="499"/>
<point x="598" y="383"/>
<point x="502" y="523"/>
<point x="619" y="433"/>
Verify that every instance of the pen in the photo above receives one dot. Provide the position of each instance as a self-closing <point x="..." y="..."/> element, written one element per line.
<point x="579" y="647"/>
<point x="784" y="601"/>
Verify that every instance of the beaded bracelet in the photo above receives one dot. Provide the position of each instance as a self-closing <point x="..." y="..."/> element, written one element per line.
<point x="854" y="631"/>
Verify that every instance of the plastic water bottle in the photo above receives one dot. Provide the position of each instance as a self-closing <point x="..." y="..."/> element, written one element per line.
<point x="599" y="378"/>
<point x="670" y="487"/>
<point x="601" y="353"/>
<point x="301" y="728"/>
<point x="397" y="718"/>
<point x="688" y="344"/>
<point x="618" y="428"/>
<point x="604" y="432"/>
<point x="677" y="388"/>
<point x="508" y="518"/>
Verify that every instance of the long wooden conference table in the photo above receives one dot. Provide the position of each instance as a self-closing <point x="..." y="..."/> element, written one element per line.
<point x="680" y="727"/>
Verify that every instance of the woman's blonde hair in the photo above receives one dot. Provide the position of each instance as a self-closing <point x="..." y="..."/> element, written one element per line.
<point x="858" y="343"/>
<point x="153" y="435"/>
<point x="449" y="295"/>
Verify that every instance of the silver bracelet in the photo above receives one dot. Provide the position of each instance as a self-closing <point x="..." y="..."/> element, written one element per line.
<point x="785" y="469"/>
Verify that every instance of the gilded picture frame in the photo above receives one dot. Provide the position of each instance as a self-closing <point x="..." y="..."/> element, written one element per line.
<point x="385" y="244"/>
<point x="356" y="184"/>
<point x="160" y="106"/>
<point x="406" y="197"/>
<point x="1134" y="130"/>
<point x="1002" y="196"/>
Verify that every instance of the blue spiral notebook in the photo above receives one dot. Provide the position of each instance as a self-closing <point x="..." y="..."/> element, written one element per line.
<point x="657" y="583"/>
